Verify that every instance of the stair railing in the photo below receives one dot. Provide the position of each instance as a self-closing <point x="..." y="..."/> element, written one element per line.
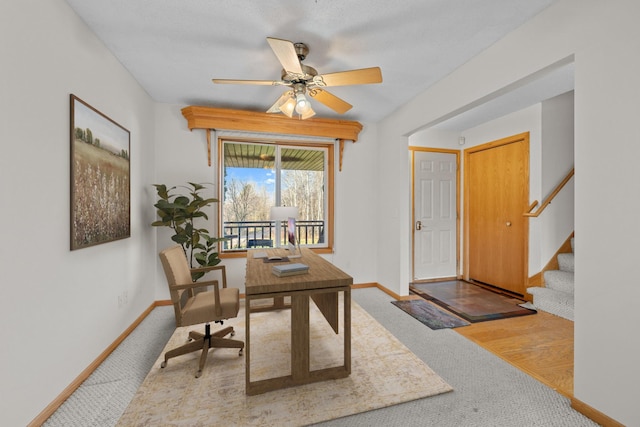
<point x="548" y="199"/>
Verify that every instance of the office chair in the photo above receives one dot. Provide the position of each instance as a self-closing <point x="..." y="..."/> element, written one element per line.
<point x="194" y="304"/>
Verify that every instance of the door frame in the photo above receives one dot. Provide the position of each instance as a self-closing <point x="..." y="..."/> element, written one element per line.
<point x="412" y="150"/>
<point x="493" y="144"/>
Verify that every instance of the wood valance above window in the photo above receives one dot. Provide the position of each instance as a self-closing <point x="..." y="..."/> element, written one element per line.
<point x="210" y="118"/>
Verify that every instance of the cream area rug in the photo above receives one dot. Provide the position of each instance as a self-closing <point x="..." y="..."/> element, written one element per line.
<point x="383" y="373"/>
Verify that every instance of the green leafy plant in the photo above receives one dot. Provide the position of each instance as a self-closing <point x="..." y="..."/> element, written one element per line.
<point x="180" y="212"/>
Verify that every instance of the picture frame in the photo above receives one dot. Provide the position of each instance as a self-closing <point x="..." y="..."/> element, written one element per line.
<point x="100" y="177"/>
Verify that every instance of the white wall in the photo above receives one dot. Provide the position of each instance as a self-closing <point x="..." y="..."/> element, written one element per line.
<point x="557" y="140"/>
<point x="394" y="240"/>
<point x="60" y="308"/>
<point x="181" y="157"/>
<point x="602" y="37"/>
<point x="607" y="184"/>
<point x="436" y="138"/>
<point x="557" y="221"/>
<point x="356" y="216"/>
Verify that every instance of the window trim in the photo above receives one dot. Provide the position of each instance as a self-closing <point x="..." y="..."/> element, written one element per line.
<point x="223" y="119"/>
<point x="330" y="179"/>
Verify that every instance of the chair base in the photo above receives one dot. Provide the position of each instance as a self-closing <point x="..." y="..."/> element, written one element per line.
<point x="203" y="342"/>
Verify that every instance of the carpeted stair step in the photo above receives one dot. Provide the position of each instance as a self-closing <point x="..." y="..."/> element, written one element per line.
<point x="559" y="280"/>
<point x="556" y="297"/>
<point x="553" y="301"/>
<point x="566" y="262"/>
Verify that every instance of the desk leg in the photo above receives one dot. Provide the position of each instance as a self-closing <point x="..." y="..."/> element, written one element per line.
<point x="247" y="346"/>
<point x="300" y="346"/>
<point x="278" y="303"/>
<point x="300" y="337"/>
<point x="347" y="330"/>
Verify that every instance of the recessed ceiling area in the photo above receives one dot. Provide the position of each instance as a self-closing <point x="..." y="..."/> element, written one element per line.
<point x="548" y="83"/>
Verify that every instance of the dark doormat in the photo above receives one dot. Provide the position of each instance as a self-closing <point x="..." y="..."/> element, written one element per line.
<point x="429" y="314"/>
<point x="469" y="301"/>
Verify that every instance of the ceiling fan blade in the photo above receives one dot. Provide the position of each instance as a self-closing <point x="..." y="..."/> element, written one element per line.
<point x="245" y="82"/>
<point x="354" y="77"/>
<point x="330" y="100"/>
<point x="286" y="53"/>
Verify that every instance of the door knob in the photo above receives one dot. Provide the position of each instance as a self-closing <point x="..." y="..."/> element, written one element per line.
<point x="418" y="225"/>
<point x="508" y="223"/>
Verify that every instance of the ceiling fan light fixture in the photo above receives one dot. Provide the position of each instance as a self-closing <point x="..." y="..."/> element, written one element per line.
<point x="288" y="107"/>
<point x="302" y="104"/>
<point x="275" y="108"/>
<point x="308" y="113"/>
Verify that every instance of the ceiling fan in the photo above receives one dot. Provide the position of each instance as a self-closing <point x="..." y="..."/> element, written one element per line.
<point x="303" y="80"/>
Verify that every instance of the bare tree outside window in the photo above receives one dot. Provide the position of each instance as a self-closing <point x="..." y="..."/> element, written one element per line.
<point x="241" y="201"/>
<point x="304" y="189"/>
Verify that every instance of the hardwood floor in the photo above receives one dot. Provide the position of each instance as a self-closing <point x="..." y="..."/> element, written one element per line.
<point x="540" y="345"/>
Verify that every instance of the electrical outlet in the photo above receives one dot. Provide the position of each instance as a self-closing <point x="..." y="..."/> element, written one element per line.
<point x="123" y="299"/>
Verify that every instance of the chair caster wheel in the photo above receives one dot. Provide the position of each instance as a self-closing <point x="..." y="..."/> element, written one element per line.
<point x="240" y="352"/>
<point x="163" y="364"/>
<point x="233" y="333"/>
<point x="198" y="374"/>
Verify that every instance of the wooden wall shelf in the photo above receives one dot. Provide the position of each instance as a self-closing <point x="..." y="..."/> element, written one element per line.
<point x="211" y="118"/>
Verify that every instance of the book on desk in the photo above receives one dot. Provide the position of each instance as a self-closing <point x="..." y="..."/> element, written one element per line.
<point x="284" y="270"/>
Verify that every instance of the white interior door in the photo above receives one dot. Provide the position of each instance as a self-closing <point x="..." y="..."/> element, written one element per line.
<point x="435" y="215"/>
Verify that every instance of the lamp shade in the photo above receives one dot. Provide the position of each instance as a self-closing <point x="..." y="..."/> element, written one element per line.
<point x="282" y="213"/>
<point x="288" y="107"/>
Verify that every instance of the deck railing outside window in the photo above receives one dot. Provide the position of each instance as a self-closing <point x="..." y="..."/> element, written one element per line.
<point x="261" y="234"/>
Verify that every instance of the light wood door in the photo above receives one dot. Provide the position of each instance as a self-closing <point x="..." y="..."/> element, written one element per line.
<point x="497" y="193"/>
<point x="435" y="213"/>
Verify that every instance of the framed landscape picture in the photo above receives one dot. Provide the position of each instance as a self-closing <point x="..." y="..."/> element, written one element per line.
<point x="100" y="177"/>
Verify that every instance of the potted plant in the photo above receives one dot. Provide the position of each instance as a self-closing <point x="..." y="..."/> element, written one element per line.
<point x="179" y="212"/>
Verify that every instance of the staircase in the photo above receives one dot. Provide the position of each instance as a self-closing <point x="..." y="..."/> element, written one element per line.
<point x="557" y="295"/>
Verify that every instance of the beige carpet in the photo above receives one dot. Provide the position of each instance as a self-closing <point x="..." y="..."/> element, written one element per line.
<point x="384" y="373"/>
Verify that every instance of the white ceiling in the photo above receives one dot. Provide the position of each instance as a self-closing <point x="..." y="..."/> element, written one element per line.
<point x="175" y="47"/>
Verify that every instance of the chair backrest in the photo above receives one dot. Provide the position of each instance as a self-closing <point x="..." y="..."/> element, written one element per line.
<point x="175" y="266"/>
<point x="176" y="269"/>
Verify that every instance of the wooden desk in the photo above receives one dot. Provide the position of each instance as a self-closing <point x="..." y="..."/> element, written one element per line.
<point x="322" y="283"/>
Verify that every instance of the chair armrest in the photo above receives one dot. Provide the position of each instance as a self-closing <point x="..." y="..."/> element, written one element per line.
<point x="194" y="285"/>
<point x="211" y="268"/>
<point x="216" y="290"/>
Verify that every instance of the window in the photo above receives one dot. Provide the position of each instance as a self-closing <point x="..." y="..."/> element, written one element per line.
<point x="258" y="175"/>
